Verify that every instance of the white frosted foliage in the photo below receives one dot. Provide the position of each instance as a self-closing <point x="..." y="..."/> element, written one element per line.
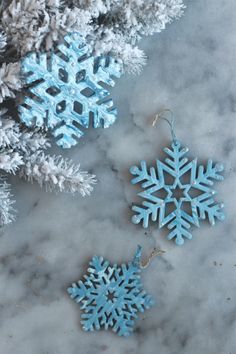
<point x="111" y="27"/>
<point x="22" y="152"/>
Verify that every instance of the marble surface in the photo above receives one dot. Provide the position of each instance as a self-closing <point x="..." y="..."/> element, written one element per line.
<point x="191" y="69"/>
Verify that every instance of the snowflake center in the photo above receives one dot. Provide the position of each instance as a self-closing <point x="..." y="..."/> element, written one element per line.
<point x="178" y="193"/>
<point x="111" y="296"/>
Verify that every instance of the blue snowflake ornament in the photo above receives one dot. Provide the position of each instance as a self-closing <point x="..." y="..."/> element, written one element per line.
<point x="111" y="295"/>
<point x="66" y="90"/>
<point x="177" y="193"/>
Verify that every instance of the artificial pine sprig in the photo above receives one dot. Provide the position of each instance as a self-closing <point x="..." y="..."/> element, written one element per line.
<point x="111" y="27"/>
<point x="7" y="212"/>
<point x="23" y="152"/>
<point x="3" y="41"/>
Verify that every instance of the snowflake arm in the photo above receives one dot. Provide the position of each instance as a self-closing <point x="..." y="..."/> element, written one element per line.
<point x="204" y="181"/>
<point x="7" y="212"/>
<point x="175" y="163"/>
<point x="212" y="172"/>
<point x="148" y="179"/>
<point x="143" y="176"/>
<point x="179" y="227"/>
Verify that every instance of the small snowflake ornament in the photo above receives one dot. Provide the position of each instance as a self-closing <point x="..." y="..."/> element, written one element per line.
<point x="111" y="296"/>
<point x="68" y="90"/>
<point x="177" y="193"/>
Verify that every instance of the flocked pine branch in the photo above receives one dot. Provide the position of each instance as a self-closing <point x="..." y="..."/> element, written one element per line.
<point x="22" y="152"/>
<point x="56" y="173"/>
<point x="118" y="23"/>
<point x="111" y="27"/>
<point x="9" y="80"/>
<point x="3" y="5"/>
<point x="3" y="41"/>
<point x="7" y="212"/>
<point x="33" y="25"/>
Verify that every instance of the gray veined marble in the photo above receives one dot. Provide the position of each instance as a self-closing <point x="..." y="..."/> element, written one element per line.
<point x="192" y="70"/>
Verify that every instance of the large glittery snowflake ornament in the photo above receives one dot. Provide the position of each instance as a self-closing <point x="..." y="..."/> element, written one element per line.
<point x="177" y="193"/>
<point x="68" y="90"/>
<point x="111" y="295"/>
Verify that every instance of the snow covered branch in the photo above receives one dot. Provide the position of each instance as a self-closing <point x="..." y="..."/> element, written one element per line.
<point x="3" y="41"/>
<point x="7" y="212"/>
<point x="9" y="80"/>
<point x="112" y="27"/>
<point x="56" y="173"/>
<point x="31" y="25"/>
<point x="22" y="152"/>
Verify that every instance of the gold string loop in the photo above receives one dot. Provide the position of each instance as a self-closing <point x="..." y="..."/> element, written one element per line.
<point x="156" y="252"/>
<point x="162" y="115"/>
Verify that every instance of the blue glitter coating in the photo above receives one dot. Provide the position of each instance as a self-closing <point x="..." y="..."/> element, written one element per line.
<point x="111" y="295"/>
<point x="177" y="193"/>
<point x="67" y="90"/>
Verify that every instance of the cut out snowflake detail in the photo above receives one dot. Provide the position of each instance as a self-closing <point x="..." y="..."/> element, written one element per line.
<point x="111" y="295"/>
<point x="67" y="90"/>
<point x="177" y="193"/>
